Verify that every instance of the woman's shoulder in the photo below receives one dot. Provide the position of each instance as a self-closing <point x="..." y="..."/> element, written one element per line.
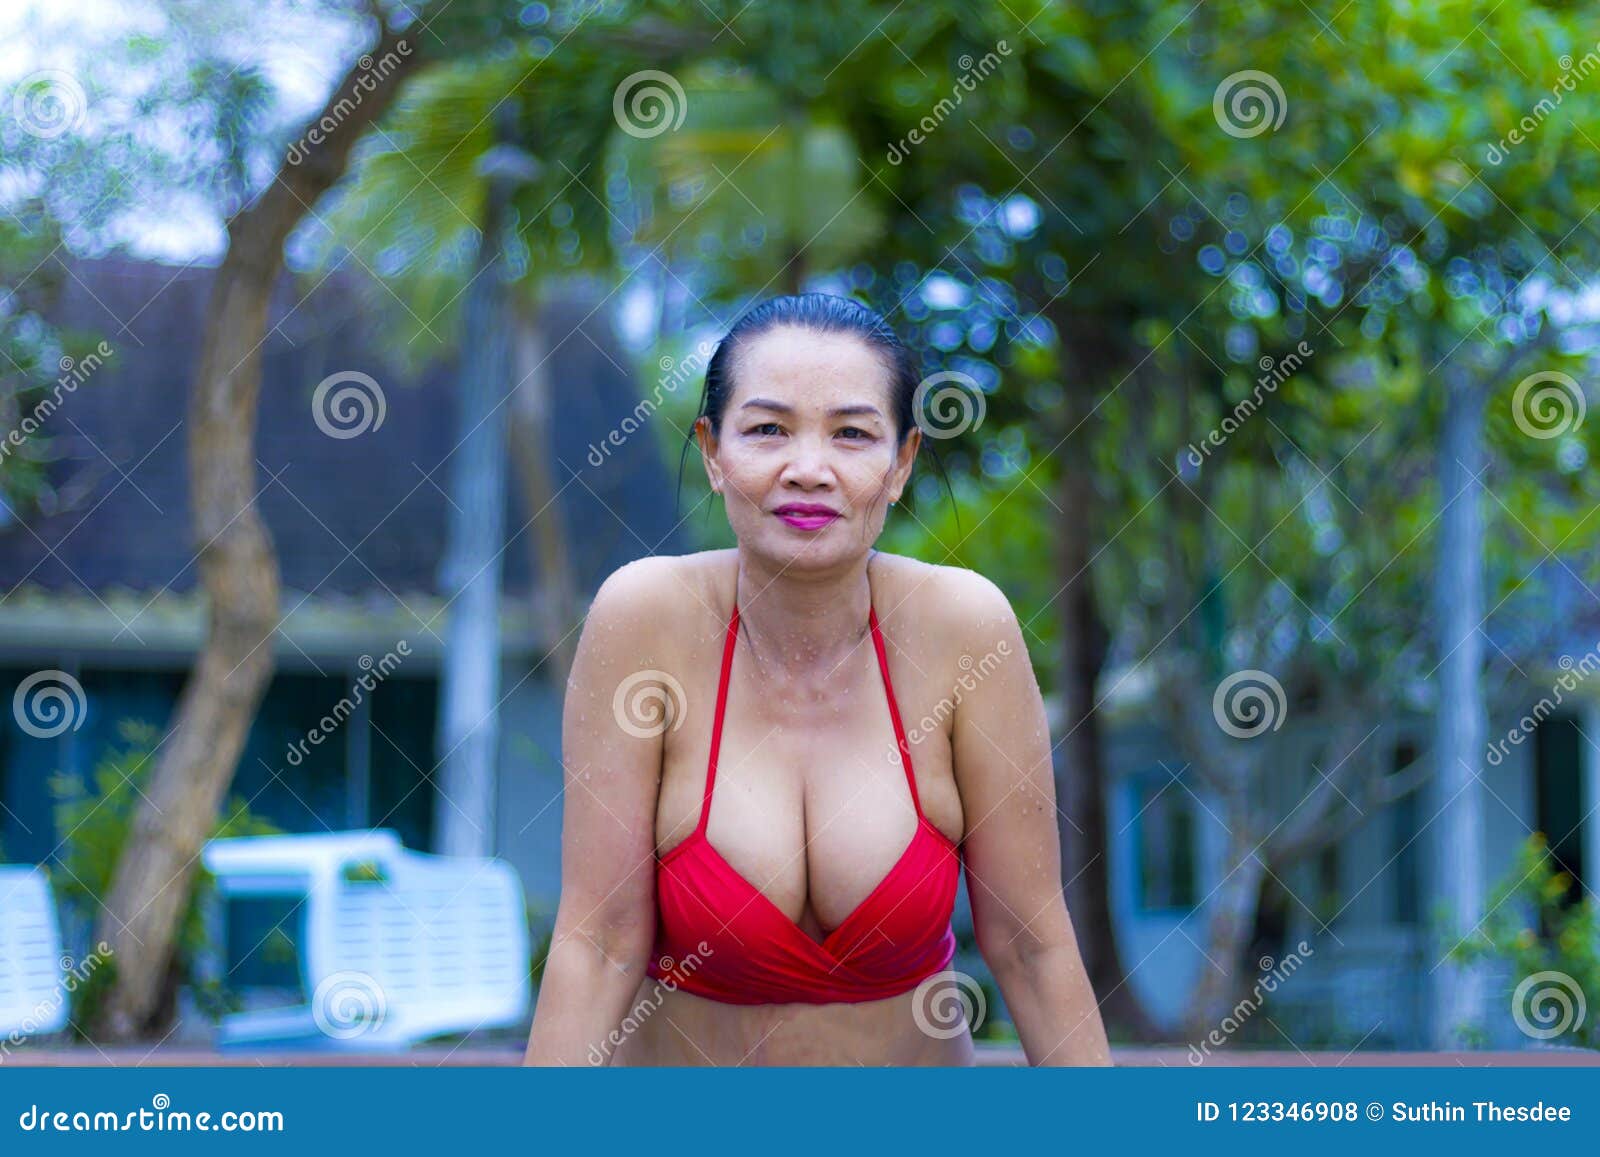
<point x="951" y="602"/>
<point x="915" y="598"/>
<point x="661" y="588"/>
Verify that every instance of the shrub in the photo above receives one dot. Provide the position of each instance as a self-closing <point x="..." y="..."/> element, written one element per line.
<point x="93" y="828"/>
<point x="1557" y="973"/>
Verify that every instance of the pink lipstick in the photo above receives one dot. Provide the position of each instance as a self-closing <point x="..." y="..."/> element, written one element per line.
<point x="806" y="515"/>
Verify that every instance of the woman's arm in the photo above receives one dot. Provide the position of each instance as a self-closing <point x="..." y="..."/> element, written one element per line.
<point x="1002" y="752"/>
<point x="605" y="923"/>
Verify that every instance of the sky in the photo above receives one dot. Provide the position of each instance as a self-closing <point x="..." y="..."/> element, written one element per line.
<point x="300" y="46"/>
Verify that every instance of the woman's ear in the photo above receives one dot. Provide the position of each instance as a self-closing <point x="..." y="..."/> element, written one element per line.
<point x="905" y="459"/>
<point x="707" y="441"/>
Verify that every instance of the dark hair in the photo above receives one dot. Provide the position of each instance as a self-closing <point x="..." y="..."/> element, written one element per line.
<point x="822" y="313"/>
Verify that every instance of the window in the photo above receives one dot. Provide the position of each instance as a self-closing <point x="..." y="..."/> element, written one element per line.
<point x="370" y="767"/>
<point x="401" y="793"/>
<point x="1558" y="791"/>
<point x="1329" y="869"/>
<point x="262" y="939"/>
<point x="1164" y="842"/>
<point x="297" y="784"/>
<point x="1405" y="849"/>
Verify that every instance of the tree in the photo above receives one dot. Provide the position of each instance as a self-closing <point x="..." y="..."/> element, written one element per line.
<point x="37" y="363"/>
<point x="196" y="762"/>
<point x="513" y="167"/>
<point x="1363" y="134"/>
<point x="1030" y="194"/>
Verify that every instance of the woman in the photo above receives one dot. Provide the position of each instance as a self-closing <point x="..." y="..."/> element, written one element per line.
<point x="865" y="725"/>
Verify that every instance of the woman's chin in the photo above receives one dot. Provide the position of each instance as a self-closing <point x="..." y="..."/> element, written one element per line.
<point x="807" y="551"/>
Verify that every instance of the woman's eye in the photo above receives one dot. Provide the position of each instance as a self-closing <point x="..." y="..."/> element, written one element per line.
<point x="855" y="432"/>
<point x="766" y="428"/>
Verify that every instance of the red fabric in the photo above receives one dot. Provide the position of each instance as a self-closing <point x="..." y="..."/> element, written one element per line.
<point x="895" y="938"/>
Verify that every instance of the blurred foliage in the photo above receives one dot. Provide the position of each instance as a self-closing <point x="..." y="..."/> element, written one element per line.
<point x="31" y="359"/>
<point x="93" y="826"/>
<point x="1551" y="943"/>
<point x="541" y="932"/>
<point x="1079" y="234"/>
<point x="363" y="872"/>
<point x="1078" y="224"/>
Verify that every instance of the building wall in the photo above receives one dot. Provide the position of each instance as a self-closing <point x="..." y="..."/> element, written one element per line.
<point x="528" y="805"/>
<point x="1157" y="946"/>
<point x="1363" y="911"/>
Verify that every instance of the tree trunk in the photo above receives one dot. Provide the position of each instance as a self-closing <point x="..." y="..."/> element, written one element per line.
<point x="1081" y="787"/>
<point x="793" y="274"/>
<point x="555" y="598"/>
<point x="150" y="888"/>
<point x="1230" y="924"/>
<point x="468" y="739"/>
<point x="794" y="270"/>
<point x="1461" y="726"/>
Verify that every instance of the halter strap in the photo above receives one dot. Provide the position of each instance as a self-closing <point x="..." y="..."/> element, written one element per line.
<point x="894" y="709"/>
<point x="716" y="727"/>
<point x="722" y="703"/>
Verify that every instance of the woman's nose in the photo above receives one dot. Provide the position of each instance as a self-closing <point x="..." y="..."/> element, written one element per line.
<point x="808" y="464"/>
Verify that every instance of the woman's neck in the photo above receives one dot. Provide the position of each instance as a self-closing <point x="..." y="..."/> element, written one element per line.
<point x="803" y="622"/>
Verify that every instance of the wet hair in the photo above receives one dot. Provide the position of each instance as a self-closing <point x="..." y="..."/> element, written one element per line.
<point x="820" y="313"/>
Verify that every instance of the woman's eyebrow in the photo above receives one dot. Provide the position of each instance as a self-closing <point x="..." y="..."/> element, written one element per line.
<point x="836" y="411"/>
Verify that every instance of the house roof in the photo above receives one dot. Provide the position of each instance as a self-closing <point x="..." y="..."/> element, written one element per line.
<point x="353" y="519"/>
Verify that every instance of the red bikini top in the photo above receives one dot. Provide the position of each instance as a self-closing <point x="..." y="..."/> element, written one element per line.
<point x="719" y="937"/>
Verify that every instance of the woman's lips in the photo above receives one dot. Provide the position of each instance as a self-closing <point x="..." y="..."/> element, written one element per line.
<point x="806" y="517"/>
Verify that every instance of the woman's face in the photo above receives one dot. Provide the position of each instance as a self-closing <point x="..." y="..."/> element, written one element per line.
<point x="807" y="459"/>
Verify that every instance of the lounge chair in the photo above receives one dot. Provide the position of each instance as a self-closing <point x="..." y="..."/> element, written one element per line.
<point x="33" y="995"/>
<point x="398" y="946"/>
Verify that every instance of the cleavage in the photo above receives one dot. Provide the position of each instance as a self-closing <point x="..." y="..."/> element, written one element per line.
<point x="810" y="824"/>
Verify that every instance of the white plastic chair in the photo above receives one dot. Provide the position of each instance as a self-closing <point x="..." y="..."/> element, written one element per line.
<point x="33" y="998"/>
<point x="437" y="945"/>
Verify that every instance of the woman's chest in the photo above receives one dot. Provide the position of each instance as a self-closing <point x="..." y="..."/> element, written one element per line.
<point x="810" y="802"/>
